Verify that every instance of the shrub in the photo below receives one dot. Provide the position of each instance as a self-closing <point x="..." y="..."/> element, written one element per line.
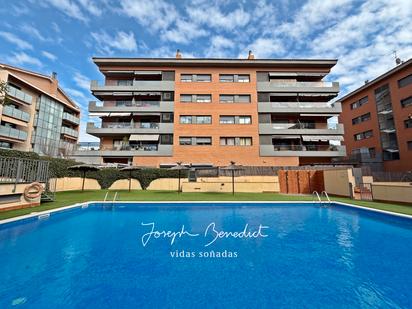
<point x="106" y="177"/>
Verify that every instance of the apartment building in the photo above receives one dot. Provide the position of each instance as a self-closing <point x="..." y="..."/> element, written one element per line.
<point x="378" y="121"/>
<point x="257" y="112"/>
<point x="38" y="116"/>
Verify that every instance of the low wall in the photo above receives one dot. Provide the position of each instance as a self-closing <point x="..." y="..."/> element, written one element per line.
<point x="257" y="184"/>
<point x="14" y="199"/>
<point x="337" y="182"/>
<point x="123" y="184"/>
<point x="392" y="192"/>
<point x="73" y="184"/>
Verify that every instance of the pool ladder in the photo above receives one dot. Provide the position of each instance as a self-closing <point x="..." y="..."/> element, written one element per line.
<point x="114" y="198"/>
<point x="318" y="197"/>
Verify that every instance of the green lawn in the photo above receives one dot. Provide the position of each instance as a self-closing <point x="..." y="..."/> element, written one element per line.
<point x="72" y="197"/>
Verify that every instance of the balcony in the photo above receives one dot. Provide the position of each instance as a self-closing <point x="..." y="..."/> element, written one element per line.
<point x="128" y="151"/>
<point x="18" y="94"/>
<point x="69" y="132"/>
<point x="137" y="85"/>
<point x="13" y="133"/>
<point x="11" y="111"/>
<point x="122" y="128"/>
<point x="274" y="86"/>
<point x="71" y="118"/>
<point x="132" y="106"/>
<point x="300" y="107"/>
<point x="301" y="128"/>
<point x="302" y="150"/>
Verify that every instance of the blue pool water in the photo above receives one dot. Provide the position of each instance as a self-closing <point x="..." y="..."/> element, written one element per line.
<point x="312" y="257"/>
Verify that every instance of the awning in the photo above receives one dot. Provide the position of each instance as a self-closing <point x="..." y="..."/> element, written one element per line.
<point x="280" y="74"/>
<point x="146" y="114"/>
<point x="320" y="115"/>
<point x="120" y="114"/>
<point x="286" y="136"/>
<point x="99" y="114"/>
<point x="147" y="72"/>
<point x="144" y="138"/>
<point x="147" y="93"/>
<point x="391" y="150"/>
<point x="123" y="94"/>
<point x="324" y="138"/>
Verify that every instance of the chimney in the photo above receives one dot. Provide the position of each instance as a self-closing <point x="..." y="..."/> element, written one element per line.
<point x="178" y="54"/>
<point x="251" y="56"/>
<point x="54" y="75"/>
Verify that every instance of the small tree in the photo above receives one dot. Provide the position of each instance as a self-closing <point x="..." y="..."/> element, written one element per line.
<point x="3" y="92"/>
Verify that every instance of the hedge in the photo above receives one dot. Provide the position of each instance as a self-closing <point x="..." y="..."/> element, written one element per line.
<point x="106" y="177"/>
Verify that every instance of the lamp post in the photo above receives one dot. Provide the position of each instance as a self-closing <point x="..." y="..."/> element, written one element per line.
<point x="233" y="167"/>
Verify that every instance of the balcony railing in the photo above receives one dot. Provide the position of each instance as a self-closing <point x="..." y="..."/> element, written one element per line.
<point x="306" y="107"/>
<point x="272" y="86"/>
<point x="303" y="150"/>
<point x="302" y="84"/>
<point x="13" y="112"/>
<point x="18" y="94"/>
<point x="306" y="147"/>
<point x="69" y="131"/>
<point x="301" y="128"/>
<point x="137" y="85"/>
<point x="71" y="118"/>
<point x="128" y="125"/>
<point x="304" y="125"/>
<point x="13" y="133"/>
<point x="128" y="150"/>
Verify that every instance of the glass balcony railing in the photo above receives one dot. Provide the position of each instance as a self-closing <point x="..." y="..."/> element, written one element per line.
<point x="304" y="125"/>
<point x="138" y="103"/>
<point x="298" y="104"/>
<point x="18" y="94"/>
<point x="13" y="133"/>
<point x="301" y="84"/>
<point x="127" y="147"/>
<point x="13" y="112"/>
<point x="128" y="125"/>
<point x="71" y="118"/>
<point x="69" y="131"/>
<point x="307" y="147"/>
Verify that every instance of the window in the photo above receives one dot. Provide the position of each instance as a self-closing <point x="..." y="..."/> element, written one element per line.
<point x="406" y="102"/>
<point x="195" y="140"/>
<point x="185" y="98"/>
<point x="124" y="103"/>
<point x="203" y="98"/>
<point x="203" y="141"/>
<point x="125" y="82"/>
<point x="227" y="119"/>
<point x="186" y="78"/>
<point x="405" y="81"/>
<point x="361" y="118"/>
<point x="235" y="141"/>
<point x="224" y="98"/>
<point x="245" y="141"/>
<point x="409" y="145"/>
<point x="185" y="141"/>
<point x="234" y="78"/>
<point x="243" y="78"/>
<point x="166" y="139"/>
<point x="372" y="152"/>
<point x="186" y="119"/>
<point x="359" y="103"/>
<point x="203" y="78"/>
<point x="203" y="119"/>
<point x="230" y="98"/>
<point x="227" y="141"/>
<point x="5" y="145"/>
<point x="408" y="123"/>
<point x="245" y="120"/>
<point x="226" y="78"/>
<point x="363" y="135"/>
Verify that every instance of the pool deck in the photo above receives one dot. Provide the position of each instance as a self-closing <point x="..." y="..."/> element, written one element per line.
<point x="47" y="213"/>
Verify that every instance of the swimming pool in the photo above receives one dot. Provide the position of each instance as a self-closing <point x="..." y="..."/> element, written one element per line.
<point x="186" y="255"/>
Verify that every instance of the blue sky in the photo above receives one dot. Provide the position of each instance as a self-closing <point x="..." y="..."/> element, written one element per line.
<point x="63" y="35"/>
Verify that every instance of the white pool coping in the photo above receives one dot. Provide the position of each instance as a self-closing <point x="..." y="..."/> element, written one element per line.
<point x="85" y="204"/>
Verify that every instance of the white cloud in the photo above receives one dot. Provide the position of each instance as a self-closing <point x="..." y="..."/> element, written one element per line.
<point x="121" y="41"/>
<point x="12" y="38"/>
<point x="266" y="48"/>
<point x="32" y="31"/>
<point x="82" y="81"/>
<point x="183" y="32"/>
<point x="49" y="55"/>
<point x="91" y="6"/>
<point x="67" y="7"/>
<point x="21" y="59"/>
<point x="220" y="47"/>
<point x="56" y="27"/>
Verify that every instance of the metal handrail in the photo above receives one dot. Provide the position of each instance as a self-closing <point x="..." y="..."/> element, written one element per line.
<point x="314" y="195"/>
<point x="105" y="197"/>
<point x="326" y="196"/>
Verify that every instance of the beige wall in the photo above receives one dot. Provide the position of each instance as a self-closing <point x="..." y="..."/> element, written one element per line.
<point x="337" y="181"/>
<point x="73" y="183"/>
<point x="219" y="184"/>
<point x="123" y="184"/>
<point x="19" y="201"/>
<point x="392" y="191"/>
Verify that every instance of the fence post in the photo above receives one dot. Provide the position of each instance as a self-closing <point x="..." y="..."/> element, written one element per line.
<point x="18" y="173"/>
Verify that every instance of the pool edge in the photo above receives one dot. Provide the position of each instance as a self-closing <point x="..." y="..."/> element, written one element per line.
<point x="46" y="212"/>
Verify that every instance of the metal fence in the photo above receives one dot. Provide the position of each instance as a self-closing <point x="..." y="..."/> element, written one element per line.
<point x="16" y="170"/>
